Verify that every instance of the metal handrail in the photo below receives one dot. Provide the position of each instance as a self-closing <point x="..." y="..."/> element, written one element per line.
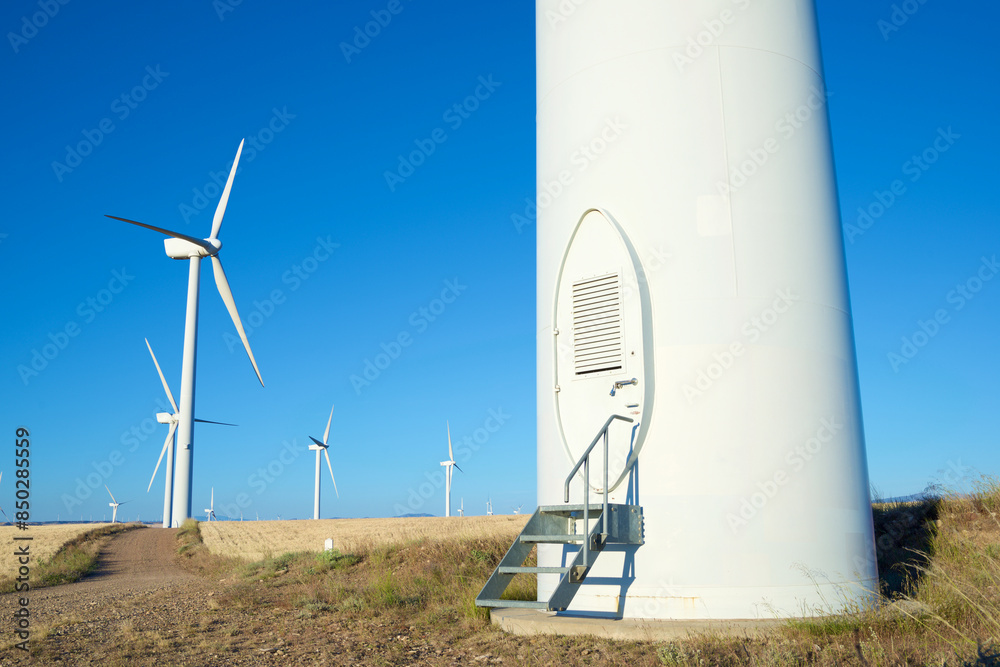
<point x="585" y="462"/>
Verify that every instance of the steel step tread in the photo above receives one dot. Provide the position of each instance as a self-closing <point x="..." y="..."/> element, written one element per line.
<point x="530" y="569"/>
<point x="563" y="539"/>
<point x="595" y="510"/>
<point x="521" y="604"/>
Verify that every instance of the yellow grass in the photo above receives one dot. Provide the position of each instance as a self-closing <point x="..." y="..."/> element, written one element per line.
<point x="255" y="540"/>
<point x="45" y="541"/>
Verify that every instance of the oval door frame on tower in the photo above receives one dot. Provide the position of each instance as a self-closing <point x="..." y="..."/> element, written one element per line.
<point x="602" y="324"/>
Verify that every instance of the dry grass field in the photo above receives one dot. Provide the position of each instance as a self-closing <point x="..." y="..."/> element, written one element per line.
<point x="45" y="541"/>
<point x="256" y="540"/>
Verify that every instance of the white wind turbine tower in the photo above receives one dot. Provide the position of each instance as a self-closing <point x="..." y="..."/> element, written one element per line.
<point x="318" y="447"/>
<point x="172" y="419"/>
<point x="210" y="510"/>
<point x="461" y="508"/>
<point x="489" y="507"/>
<point x="114" y="505"/>
<point x="448" y="465"/>
<point x="182" y="246"/>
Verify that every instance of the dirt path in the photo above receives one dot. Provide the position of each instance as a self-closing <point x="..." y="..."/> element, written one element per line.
<point x="135" y="564"/>
<point x="136" y="583"/>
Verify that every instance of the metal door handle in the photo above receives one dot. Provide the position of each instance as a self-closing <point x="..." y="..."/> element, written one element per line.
<point x="621" y="383"/>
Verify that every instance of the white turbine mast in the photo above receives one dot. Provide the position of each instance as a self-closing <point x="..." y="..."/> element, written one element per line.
<point x="318" y="447"/>
<point x="210" y="510"/>
<point x="114" y="504"/>
<point x="168" y="449"/>
<point x="182" y="246"/>
<point x="448" y="465"/>
<point x="461" y="508"/>
<point x="489" y="507"/>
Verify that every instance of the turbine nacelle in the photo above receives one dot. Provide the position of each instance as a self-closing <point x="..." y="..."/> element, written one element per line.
<point x="166" y="418"/>
<point x="183" y="249"/>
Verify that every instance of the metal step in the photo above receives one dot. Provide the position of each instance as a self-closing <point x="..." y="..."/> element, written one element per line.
<point x="571" y="510"/>
<point x="522" y="604"/>
<point x="525" y="569"/>
<point x="558" y="539"/>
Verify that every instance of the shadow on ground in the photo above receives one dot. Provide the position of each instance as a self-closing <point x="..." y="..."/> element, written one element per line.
<point x="904" y="533"/>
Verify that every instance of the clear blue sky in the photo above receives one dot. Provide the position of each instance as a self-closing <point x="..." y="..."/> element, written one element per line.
<point x="153" y="99"/>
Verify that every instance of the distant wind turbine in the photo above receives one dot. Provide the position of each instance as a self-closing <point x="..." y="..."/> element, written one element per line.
<point x="114" y="505"/>
<point x="210" y="510"/>
<point x="182" y="246"/>
<point x="489" y="507"/>
<point x="318" y="447"/>
<point x="1" y="509"/>
<point x="517" y="510"/>
<point x="448" y="465"/>
<point x="461" y="508"/>
<point x="168" y="449"/>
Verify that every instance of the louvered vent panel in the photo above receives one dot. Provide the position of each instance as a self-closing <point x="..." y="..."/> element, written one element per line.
<point x="597" y="325"/>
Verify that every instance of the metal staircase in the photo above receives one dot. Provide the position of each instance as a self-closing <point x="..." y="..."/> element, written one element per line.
<point x="590" y="527"/>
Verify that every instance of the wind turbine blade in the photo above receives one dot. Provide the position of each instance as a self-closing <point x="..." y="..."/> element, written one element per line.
<point x="166" y="444"/>
<point x="206" y="421"/>
<point x="166" y="387"/>
<point x="176" y="235"/>
<point x="451" y="456"/>
<point x="111" y="494"/>
<point x="325" y="451"/>
<point x="456" y="465"/>
<point x="321" y="444"/>
<point x="220" y="210"/>
<point x="4" y="514"/>
<point x="227" y="298"/>
<point x="326" y="433"/>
